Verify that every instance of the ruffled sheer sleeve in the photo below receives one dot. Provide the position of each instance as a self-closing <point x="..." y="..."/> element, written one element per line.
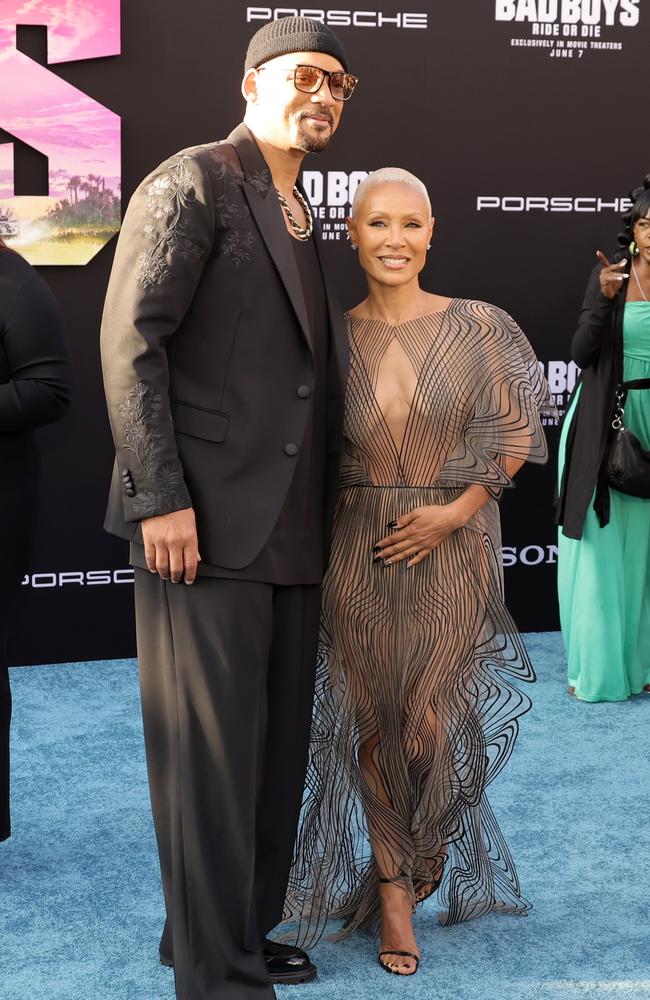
<point x="506" y="397"/>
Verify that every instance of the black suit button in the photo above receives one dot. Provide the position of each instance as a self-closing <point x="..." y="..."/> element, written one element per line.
<point x="303" y="392"/>
<point x="291" y="449"/>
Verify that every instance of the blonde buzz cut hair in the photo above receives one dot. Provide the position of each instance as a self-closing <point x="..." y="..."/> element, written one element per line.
<point x="388" y="175"/>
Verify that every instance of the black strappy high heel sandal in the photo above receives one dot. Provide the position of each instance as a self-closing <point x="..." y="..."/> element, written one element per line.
<point x="398" y="952"/>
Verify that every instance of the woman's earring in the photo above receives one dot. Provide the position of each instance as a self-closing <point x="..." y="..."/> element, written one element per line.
<point x="428" y="246"/>
<point x="633" y="248"/>
<point x="353" y="245"/>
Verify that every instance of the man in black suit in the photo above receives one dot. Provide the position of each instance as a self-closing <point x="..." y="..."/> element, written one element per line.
<point x="225" y="361"/>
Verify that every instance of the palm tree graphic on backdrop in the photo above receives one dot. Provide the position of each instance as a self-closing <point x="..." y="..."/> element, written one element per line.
<point x="90" y="203"/>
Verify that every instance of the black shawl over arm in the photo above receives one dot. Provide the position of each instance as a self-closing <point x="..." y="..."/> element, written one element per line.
<point x="34" y="390"/>
<point x="596" y="347"/>
<point x="34" y="371"/>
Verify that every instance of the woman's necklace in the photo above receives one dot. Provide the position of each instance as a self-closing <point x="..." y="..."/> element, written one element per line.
<point x="636" y="278"/>
<point x="302" y="232"/>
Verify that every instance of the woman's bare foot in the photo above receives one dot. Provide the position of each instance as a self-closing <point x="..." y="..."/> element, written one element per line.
<point x="646" y="688"/>
<point x="397" y="929"/>
<point x="572" y="691"/>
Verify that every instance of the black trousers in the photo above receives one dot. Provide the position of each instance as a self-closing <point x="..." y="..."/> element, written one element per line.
<point x="227" y="680"/>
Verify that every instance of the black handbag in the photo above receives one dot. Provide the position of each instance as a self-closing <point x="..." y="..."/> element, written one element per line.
<point x="628" y="464"/>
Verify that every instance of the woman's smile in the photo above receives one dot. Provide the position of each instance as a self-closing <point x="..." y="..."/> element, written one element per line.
<point x="394" y="262"/>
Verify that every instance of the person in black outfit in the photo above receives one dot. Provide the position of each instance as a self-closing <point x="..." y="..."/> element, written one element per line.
<point x="34" y="390"/>
<point x="604" y="543"/>
<point x="597" y="347"/>
<point x="225" y="360"/>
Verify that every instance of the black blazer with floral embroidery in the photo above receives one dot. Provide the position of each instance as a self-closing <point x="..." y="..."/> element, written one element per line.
<point x="205" y="343"/>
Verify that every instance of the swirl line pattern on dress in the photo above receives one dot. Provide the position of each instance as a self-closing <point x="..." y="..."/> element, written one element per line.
<point x="417" y="705"/>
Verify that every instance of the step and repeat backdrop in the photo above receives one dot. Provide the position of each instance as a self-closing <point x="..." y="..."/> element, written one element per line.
<point x="517" y="114"/>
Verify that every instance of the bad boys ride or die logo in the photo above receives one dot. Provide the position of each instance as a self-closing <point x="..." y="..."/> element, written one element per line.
<point x="561" y="377"/>
<point x="80" y="137"/>
<point x="568" y="29"/>
<point x="330" y="195"/>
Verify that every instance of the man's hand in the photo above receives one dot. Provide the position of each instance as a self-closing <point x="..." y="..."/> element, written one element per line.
<point x="171" y="546"/>
<point x="612" y="276"/>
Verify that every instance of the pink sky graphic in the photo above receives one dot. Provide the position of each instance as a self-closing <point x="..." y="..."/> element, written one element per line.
<point x="77" y="134"/>
<point x="77" y="29"/>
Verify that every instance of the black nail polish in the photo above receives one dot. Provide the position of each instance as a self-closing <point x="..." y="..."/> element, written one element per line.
<point x="392" y="524"/>
<point x="376" y="548"/>
<point x="377" y="559"/>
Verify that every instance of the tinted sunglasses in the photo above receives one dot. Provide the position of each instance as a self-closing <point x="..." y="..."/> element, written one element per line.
<point x="309" y="80"/>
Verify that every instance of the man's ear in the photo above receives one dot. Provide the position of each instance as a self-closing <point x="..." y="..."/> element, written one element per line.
<point x="249" y="86"/>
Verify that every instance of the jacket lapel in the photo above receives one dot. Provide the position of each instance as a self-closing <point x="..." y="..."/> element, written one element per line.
<point x="267" y="212"/>
<point x="337" y="323"/>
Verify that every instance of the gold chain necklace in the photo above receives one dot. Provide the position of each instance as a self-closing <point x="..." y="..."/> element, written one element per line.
<point x="302" y="232"/>
<point x="636" y="278"/>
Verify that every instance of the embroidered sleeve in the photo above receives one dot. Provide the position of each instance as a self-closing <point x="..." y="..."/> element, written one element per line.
<point x="145" y="437"/>
<point x="166" y="238"/>
<point x="169" y="197"/>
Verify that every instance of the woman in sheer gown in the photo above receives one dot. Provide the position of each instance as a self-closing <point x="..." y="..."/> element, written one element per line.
<point x="415" y="709"/>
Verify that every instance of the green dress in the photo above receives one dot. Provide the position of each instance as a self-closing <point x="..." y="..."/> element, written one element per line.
<point x="604" y="578"/>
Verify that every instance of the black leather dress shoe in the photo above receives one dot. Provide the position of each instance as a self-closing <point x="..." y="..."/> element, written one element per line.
<point x="287" y="964"/>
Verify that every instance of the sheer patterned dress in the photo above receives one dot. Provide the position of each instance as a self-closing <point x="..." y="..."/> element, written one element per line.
<point x="416" y="710"/>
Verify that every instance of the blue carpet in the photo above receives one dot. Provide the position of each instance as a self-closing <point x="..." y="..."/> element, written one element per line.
<point x="80" y="903"/>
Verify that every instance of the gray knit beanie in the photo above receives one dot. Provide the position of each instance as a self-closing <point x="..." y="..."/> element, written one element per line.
<point x="293" y="34"/>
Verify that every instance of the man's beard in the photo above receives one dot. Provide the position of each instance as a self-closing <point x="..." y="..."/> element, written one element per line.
<point x="309" y="143"/>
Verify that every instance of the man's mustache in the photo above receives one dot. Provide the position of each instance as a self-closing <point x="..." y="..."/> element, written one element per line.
<point x="325" y="112"/>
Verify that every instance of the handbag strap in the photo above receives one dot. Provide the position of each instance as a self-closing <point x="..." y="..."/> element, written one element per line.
<point x="621" y="397"/>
